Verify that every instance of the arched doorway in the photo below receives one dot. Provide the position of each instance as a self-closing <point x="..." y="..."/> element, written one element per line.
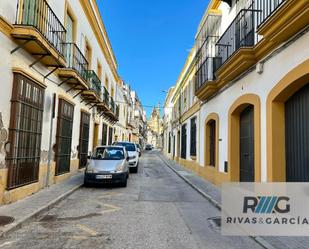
<point x="244" y="158"/>
<point x="246" y="144"/>
<point x="287" y="127"/>
<point x="297" y="136"/>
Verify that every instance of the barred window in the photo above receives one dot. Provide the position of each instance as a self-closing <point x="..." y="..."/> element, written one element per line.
<point x="25" y="132"/>
<point x="64" y="137"/>
<point x="193" y="137"/>
<point x="184" y="141"/>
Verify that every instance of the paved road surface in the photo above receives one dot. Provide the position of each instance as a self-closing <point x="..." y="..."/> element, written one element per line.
<point x="157" y="210"/>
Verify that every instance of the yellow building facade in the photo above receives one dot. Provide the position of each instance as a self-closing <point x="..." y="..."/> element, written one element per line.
<point x="250" y="71"/>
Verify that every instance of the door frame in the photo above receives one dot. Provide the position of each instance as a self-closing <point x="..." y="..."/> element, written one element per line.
<point x="286" y="87"/>
<point x="250" y="113"/>
<point x="233" y="136"/>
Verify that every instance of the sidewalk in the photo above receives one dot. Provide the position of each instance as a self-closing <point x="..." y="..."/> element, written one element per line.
<point x="213" y="194"/>
<point x="39" y="202"/>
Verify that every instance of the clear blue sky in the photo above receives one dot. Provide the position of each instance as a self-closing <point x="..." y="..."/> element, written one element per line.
<point x="151" y="40"/>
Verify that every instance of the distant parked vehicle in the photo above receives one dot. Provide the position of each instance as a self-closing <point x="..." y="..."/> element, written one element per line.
<point x="148" y="147"/>
<point x="133" y="155"/>
<point x="108" y="164"/>
<point x="139" y="149"/>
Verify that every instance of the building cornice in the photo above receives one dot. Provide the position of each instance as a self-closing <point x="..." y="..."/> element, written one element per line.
<point x="93" y="15"/>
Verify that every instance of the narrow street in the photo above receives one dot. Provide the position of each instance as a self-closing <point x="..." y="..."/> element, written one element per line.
<point x="156" y="210"/>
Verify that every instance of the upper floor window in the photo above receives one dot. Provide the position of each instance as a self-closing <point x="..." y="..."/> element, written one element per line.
<point x="99" y="70"/>
<point x="88" y="53"/>
<point x="106" y="82"/>
<point x="70" y="25"/>
<point x="112" y="92"/>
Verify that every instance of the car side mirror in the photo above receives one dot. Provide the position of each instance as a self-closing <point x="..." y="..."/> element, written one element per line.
<point x="128" y="158"/>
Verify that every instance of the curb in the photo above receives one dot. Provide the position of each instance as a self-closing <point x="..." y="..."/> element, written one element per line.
<point x="16" y="225"/>
<point x="216" y="204"/>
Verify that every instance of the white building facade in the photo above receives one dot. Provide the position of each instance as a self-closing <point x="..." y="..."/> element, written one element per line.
<point x="251" y="80"/>
<point x="61" y="92"/>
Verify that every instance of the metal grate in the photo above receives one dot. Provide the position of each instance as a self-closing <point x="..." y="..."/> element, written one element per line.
<point x="193" y="137"/>
<point x="84" y="139"/>
<point x="25" y="132"/>
<point x="64" y="137"/>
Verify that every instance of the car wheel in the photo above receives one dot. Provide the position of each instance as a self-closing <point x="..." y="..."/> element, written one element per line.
<point x="86" y="184"/>
<point x="133" y="170"/>
<point x="124" y="183"/>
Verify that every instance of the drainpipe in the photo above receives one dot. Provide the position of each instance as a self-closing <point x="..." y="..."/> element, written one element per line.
<point x="52" y="116"/>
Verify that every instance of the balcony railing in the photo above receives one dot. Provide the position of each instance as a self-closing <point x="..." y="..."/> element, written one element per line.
<point x="117" y="111"/>
<point x="105" y="96"/>
<point x="206" y="72"/>
<point x="206" y="62"/>
<point x="38" y="14"/>
<point x="112" y="105"/>
<point x="94" y="82"/>
<point x="75" y="59"/>
<point x="267" y="8"/>
<point x="240" y="34"/>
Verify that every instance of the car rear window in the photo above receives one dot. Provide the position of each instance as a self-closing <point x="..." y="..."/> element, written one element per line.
<point x="128" y="146"/>
<point x="109" y="154"/>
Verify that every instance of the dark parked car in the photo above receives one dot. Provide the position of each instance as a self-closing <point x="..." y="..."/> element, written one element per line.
<point x="148" y="147"/>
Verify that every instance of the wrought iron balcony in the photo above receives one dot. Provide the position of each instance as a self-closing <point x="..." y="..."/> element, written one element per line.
<point x="105" y="96"/>
<point x="76" y="60"/>
<point x="94" y="83"/>
<point x="206" y="62"/>
<point x="267" y="9"/>
<point x="112" y="105"/>
<point x="39" y="15"/>
<point x="206" y="72"/>
<point x="240" y="34"/>
<point x="117" y="111"/>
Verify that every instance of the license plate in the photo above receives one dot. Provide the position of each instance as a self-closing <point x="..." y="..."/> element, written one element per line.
<point x="104" y="176"/>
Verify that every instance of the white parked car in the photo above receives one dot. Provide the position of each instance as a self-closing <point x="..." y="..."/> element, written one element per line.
<point x="133" y="155"/>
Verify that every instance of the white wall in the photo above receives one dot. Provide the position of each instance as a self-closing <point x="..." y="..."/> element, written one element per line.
<point x="23" y="59"/>
<point x="253" y="83"/>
